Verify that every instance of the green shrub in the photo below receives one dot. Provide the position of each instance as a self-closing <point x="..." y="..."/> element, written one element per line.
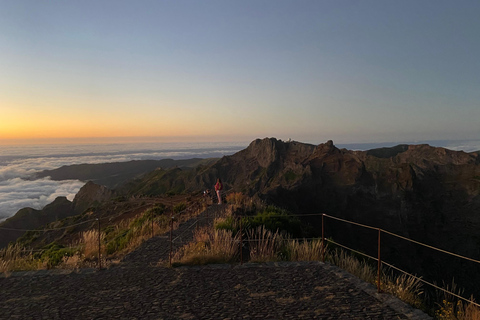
<point x="119" y="199"/>
<point x="227" y="224"/>
<point x="274" y="219"/>
<point x="118" y="241"/>
<point x="290" y="176"/>
<point x="179" y="207"/>
<point x="27" y="238"/>
<point x="53" y="254"/>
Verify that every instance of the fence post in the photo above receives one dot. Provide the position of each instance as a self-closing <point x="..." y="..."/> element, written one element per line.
<point x="241" y="241"/>
<point x="171" y="240"/>
<point x="99" y="246"/>
<point x="379" y="263"/>
<point x="323" y="238"/>
<point x="153" y="233"/>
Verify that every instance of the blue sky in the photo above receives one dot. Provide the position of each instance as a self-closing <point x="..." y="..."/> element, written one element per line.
<point x="350" y="71"/>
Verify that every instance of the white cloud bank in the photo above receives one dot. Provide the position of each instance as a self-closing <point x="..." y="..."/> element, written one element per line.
<point x="19" y="163"/>
<point x="18" y="193"/>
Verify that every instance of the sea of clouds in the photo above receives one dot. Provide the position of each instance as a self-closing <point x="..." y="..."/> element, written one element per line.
<point x="18" y="164"/>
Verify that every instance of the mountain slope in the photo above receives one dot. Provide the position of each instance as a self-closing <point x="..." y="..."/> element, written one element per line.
<point x="30" y="219"/>
<point x="112" y="175"/>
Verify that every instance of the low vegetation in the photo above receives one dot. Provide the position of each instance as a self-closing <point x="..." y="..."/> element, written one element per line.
<point x="246" y="231"/>
<point x="264" y="235"/>
<point x="114" y="241"/>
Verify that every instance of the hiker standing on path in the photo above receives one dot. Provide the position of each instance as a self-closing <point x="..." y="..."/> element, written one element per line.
<point x="218" y="189"/>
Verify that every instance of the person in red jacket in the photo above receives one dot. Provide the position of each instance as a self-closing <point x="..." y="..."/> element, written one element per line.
<point x="218" y="189"/>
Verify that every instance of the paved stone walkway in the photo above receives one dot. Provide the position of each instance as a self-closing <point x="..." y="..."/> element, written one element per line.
<point x="284" y="290"/>
<point x="158" y="248"/>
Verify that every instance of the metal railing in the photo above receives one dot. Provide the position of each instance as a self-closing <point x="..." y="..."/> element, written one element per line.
<point x="379" y="258"/>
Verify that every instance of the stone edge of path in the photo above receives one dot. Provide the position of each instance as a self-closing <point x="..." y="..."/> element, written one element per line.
<point x="386" y="298"/>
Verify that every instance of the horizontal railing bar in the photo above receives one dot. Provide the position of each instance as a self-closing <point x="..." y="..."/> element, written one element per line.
<point x="351" y="222"/>
<point x="52" y="229"/>
<point x="431" y="284"/>
<point x="431" y="247"/>
<point x="345" y="247"/>
<point x="404" y="238"/>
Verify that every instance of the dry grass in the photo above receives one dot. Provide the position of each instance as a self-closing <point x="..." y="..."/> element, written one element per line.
<point x="209" y="246"/>
<point x="264" y="245"/>
<point x="305" y="250"/>
<point x="452" y="308"/>
<point x="16" y="258"/>
<point x="89" y="243"/>
<point x="356" y="267"/>
<point x="470" y="312"/>
<point x="405" y="287"/>
<point x="236" y="198"/>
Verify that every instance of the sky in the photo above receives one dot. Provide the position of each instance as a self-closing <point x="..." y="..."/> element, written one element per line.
<point x="349" y="71"/>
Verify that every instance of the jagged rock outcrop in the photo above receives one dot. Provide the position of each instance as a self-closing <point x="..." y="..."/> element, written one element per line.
<point x="89" y="195"/>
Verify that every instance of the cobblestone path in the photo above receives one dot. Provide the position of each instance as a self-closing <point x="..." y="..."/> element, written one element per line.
<point x="158" y="248"/>
<point x="131" y="290"/>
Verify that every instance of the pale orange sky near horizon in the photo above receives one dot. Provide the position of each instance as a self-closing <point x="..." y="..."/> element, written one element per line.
<point x="234" y="71"/>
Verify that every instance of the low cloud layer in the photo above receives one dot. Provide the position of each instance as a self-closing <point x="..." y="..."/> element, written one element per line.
<point x="18" y="193"/>
<point x="19" y="163"/>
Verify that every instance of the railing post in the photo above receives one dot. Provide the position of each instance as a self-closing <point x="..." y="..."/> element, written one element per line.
<point x="153" y="233"/>
<point x="99" y="246"/>
<point x="171" y="240"/>
<point x="379" y="262"/>
<point x="323" y="238"/>
<point x="241" y="242"/>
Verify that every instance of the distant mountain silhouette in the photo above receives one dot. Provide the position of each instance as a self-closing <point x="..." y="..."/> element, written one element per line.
<point x="115" y="174"/>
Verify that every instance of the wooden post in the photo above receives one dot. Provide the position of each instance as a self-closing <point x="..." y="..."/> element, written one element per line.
<point x="323" y="238"/>
<point x="379" y="263"/>
<point x="153" y="233"/>
<point x="99" y="246"/>
<point x="241" y="242"/>
<point x="171" y="240"/>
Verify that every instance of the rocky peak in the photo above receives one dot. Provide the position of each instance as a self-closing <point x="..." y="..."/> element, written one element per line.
<point x="326" y="148"/>
<point x="266" y="151"/>
<point x="90" y="194"/>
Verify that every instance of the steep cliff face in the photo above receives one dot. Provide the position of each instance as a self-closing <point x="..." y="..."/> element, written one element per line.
<point x="265" y="165"/>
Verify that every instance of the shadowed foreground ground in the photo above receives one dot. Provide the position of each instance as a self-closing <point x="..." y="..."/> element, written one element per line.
<point x="138" y="288"/>
<point x="252" y="291"/>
